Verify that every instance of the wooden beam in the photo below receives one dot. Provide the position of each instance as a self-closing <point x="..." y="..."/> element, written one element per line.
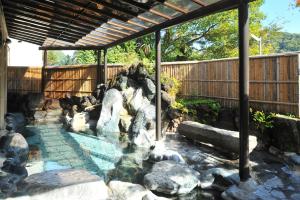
<point x="115" y="30"/>
<point x="39" y="33"/>
<point x="122" y="26"/>
<point x="200" y="2"/>
<point x="108" y="33"/>
<point x="27" y="40"/>
<point x="32" y="16"/>
<point x="51" y="17"/>
<point x="56" y="5"/>
<point x="96" y="10"/>
<point x="85" y="39"/>
<point x="98" y="38"/>
<point x="12" y="19"/>
<point x="107" y="36"/>
<point x="36" y="6"/>
<point x="173" y="6"/>
<point x="13" y="22"/>
<point x="146" y="8"/>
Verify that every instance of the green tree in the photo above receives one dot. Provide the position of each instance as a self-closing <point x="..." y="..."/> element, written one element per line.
<point x="55" y="57"/>
<point x="85" y="57"/>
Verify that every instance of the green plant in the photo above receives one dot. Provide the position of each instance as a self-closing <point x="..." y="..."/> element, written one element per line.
<point x="172" y="85"/>
<point x="179" y="106"/>
<point x="263" y="121"/>
<point x="203" y="110"/>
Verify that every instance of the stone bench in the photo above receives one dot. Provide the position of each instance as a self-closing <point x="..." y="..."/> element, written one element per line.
<point x="220" y="138"/>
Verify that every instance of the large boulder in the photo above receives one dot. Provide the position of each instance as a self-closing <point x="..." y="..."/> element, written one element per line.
<point x="138" y="101"/>
<point x="172" y="178"/>
<point x="227" y="141"/>
<point x="15" y="146"/>
<point x="112" y="104"/>
<point x="160" y="153"/>
<point x="149" y="88"/>
<point x="143" y="128"/>
<point x="129" y="191"/>
<point x="35" y="101"/>
<point x="286" y="133"/>
<point x="15" y="122"/>
<point x="65" y="184"/>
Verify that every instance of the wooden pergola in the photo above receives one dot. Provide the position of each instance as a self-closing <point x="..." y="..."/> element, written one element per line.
<point x="101" y="24"/>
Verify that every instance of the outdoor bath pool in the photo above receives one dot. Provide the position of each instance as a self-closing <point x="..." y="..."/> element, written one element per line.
<point x="52" y="147"/>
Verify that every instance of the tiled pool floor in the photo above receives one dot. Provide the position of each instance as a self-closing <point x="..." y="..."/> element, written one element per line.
<point x="52" y="147"/>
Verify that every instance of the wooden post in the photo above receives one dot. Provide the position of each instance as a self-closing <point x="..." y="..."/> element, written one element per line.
<point x="105" y="73"/>
<point x="244" y="170"/>
<point x="43" y="83"/>
<point x="3" y="84"/>
<point x="98" y="81"/>
<point x="158" y="83"/>
<point x="298" y="74"/>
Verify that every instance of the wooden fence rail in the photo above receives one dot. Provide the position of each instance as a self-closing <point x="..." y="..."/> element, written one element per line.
<point x="274" y="80"/>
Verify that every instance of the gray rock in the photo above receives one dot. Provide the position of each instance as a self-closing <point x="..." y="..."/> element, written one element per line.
<point x="278" y="194"/>
<point x="286" y="133"/>
<point x="160" y="153"/>
<point x="149" y="88"/>
<point x="35" y="101"/>
<point x="121" y="82"/>
<point x="108" y="123"/>
<point x="16" y="147"/>
<point x="244" y="191"/>
<point x="140" y="133"/>
<point x="78" y="123"/>
<point x="126" y="191"/>
<point x="295" y="196"/>
<point x="138" y="101"/>
<point x="219" y="177"/>
<point x="40" y="115"/>
<point x="293" y="157"/>
<point x="8" y="183"/>
<point x="65" y="184"/>
<point x="273" y="150"/>
<point x="170" y="177"/>
<point x="15" y="122"/>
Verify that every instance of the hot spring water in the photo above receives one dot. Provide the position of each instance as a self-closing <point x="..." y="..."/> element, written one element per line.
<point x="52" y="147"/>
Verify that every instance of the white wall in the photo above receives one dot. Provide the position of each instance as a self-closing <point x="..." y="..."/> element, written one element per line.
<point x="24" y="54"/>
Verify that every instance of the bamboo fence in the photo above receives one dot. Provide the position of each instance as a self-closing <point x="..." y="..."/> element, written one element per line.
<point x="274" y="80"/>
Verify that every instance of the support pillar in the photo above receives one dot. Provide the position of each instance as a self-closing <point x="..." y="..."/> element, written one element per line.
<point x="43" y="82"/>
<point x="105" y="70"/>
<point x="158" y="83"/>
<point x="244" y="170"/>
<point x="98" y="81"/>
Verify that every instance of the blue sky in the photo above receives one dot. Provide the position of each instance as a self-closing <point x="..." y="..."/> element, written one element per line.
<point x="280" y="11"/>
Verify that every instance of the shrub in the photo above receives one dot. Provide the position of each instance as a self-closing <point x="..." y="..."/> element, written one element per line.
<point x="170" y="84"/>
<point x="203" y="110"/>
<point x="263" y="121"/>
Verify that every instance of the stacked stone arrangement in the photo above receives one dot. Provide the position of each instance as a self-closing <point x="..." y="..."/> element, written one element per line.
<point x="126" y="105"/>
